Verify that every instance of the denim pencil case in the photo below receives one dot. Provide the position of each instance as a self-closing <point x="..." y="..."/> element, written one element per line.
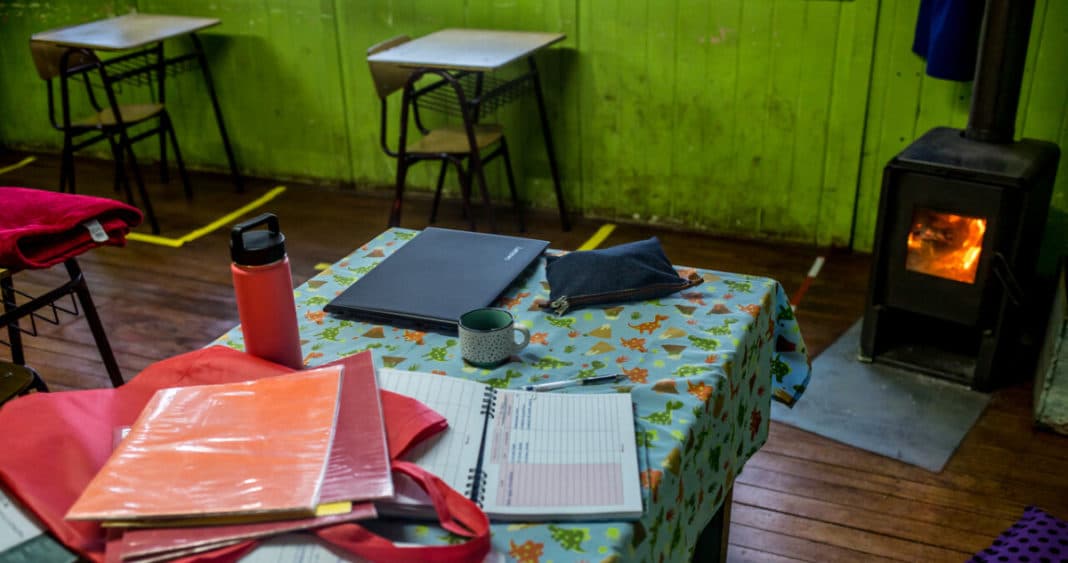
<point x="627" y="272"/>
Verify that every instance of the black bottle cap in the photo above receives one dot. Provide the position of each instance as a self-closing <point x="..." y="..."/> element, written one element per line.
<point x="257" y="248"/>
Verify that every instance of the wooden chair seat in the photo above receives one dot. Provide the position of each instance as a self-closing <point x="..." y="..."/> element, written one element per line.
<point x="131" y="114"/>
<point x="452" y="139"/>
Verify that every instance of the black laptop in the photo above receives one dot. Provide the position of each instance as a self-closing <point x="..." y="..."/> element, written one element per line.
<point x="436" y="277"/>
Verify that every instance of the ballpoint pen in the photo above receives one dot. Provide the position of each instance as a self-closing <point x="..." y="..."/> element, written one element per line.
<point x="552" y="386"/>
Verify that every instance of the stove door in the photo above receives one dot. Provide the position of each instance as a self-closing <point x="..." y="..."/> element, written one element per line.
<point x="941" y="240"/>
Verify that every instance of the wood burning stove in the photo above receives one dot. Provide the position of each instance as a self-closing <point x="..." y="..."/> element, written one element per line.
<point x="961" y="216"/>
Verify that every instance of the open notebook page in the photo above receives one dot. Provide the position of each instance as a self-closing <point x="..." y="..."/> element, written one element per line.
<point x="561" y="456"/>
<point x="453" y="454"/>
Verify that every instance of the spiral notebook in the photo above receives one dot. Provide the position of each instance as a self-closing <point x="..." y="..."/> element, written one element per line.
<point x="522" y="455"/>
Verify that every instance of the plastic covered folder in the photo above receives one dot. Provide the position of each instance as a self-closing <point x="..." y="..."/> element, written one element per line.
<point x="248" y="448"/>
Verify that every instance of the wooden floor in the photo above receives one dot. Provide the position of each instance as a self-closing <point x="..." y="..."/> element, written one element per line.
<point x="801" y="498"/>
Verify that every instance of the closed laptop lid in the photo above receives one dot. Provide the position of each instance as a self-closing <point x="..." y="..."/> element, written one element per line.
<point x="436" y="277"/>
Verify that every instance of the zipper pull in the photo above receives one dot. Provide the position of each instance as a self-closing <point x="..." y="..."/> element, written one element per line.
<point x="560" y="305"/>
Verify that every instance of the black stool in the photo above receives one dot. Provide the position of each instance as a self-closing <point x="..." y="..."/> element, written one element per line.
<point x="18" y="380"/>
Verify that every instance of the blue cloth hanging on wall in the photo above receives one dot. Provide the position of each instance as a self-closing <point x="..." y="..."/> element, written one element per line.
<point x="947" y="35"/>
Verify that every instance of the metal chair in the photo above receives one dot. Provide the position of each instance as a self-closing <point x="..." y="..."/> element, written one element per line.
<point x="18" y="305"/>
<point x="110" y="121"/>
<point x="450" y="144"/>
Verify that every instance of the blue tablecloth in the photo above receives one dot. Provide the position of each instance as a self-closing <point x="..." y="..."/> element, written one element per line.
<point x="702" y="368"/>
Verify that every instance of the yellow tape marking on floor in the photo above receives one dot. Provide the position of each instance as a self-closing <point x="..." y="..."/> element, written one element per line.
<point x="154" y="239"/>
<point x="598" y="237"/>
<point x="214" y="225"/>
<point x="17" y="165"/>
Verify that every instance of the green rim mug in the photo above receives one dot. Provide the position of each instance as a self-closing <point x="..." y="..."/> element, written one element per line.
<point x="488" y="337"/>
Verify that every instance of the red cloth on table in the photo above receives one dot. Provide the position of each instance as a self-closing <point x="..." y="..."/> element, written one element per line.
<point x="39" y="228"/>
<point x="58" y="441"/>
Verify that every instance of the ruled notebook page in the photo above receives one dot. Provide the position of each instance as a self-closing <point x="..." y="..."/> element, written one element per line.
<point x="453" y="454"/>
<point x="553" y="456"/>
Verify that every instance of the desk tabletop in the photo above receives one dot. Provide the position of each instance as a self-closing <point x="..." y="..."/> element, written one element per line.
<point x="467" y="49"/>
<point x="125" y="32"/>
<point x="702" y="367"/>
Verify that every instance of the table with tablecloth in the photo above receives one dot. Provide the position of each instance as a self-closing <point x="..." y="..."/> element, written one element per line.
<point x="702" y="367"/>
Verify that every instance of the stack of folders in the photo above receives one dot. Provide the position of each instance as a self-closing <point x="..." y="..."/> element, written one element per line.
<point x="209" y="466"/>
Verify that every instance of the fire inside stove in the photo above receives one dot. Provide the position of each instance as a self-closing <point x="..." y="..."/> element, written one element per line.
<point x="945" y="245"/>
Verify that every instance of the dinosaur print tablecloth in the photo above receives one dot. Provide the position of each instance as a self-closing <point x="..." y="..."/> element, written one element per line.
<point x="701" y="366"/>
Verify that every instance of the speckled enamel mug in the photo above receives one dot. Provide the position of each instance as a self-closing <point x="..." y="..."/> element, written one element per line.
<point x="488" y="337"/>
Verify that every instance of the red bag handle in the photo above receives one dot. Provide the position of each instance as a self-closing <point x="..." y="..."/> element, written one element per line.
<point x="456" y="513"/>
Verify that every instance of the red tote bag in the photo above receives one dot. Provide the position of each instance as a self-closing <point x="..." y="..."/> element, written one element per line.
<point x="58" y="441"/>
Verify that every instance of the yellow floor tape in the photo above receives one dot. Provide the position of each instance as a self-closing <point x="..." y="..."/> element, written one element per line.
<point x="214" y="225"/>
<point x="598" y="237"/>
<point x="17" y="165"/>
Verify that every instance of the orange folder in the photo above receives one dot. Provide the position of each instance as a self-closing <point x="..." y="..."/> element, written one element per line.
<point x="249" y="448"/>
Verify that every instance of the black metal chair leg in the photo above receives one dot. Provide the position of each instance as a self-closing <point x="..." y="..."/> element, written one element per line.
<point x="437" y="192"/>
<point x="476" y="170"/>
<point x="203" y="60"/>
<point x="395" y="209"/>
<point x="164" y="173"/>
<point x="97" y="328"/>
<point x="124" y="178"/>
<point x="63" y="171"/>
<point x="565" y="222"/>
<point x="14" y="334"/>
<point x="465" y="193"/>
<point x="120" y="181"/>
<point x="178" y="156"/>
<point x="66" y="171"/>
<point x="161" y="75"/>
<point x="142" y="192"/>
<point x="511" y="186"/>
<point x="118" y="174"/>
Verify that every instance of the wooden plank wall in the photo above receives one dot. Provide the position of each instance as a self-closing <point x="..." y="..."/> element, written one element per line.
<point x="23" y="108"/>
<point x="759" y="118"/>
<point x="718" y="114"/>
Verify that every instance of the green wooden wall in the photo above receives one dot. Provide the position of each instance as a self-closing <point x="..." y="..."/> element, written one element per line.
<point x="767" y="118"/>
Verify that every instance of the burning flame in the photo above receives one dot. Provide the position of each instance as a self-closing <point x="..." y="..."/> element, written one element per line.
<point x="945" y="245"/>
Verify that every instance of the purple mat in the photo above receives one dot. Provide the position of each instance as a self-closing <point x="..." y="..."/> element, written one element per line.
<point x="1036" y="537"/>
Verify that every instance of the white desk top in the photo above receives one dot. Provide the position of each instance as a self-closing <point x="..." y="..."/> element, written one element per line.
<point x="124" y="32"/>
<point x="467" y="49"/>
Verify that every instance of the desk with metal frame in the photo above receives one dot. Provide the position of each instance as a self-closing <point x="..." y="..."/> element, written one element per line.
<point x="134" y="31"/>
<point x="470" y="54"/>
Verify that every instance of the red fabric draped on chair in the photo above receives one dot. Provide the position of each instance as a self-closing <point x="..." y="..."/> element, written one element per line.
<point x="39" y="229"/>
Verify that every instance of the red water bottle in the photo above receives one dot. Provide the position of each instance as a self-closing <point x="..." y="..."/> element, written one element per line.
<point x="264" y="287"/>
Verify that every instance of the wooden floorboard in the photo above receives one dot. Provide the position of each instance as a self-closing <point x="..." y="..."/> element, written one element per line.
<point x="801" y="498"/>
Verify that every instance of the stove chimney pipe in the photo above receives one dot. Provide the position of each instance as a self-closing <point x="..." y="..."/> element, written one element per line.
<point x="999" y="70"/>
